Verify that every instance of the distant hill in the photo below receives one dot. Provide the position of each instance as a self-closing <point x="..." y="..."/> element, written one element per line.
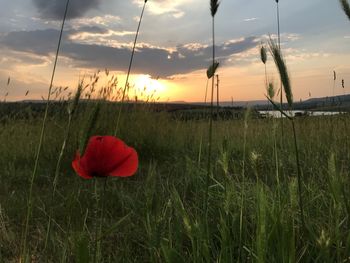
<point x="250" y="103"/>
<point x="335" y="103"/>
<point x="341" y="102"/>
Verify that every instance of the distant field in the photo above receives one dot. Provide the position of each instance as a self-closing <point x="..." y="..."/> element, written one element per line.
<point x="157" y="215"/>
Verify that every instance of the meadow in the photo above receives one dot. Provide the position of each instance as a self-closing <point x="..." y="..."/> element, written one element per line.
<point x="158" y="215"/>
<point x="207" y="189"/>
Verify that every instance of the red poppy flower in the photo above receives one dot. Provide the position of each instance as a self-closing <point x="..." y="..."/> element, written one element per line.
<point x="106" y="156"/>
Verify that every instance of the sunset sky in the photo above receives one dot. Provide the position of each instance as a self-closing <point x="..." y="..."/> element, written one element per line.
<point x="173" y="50"/>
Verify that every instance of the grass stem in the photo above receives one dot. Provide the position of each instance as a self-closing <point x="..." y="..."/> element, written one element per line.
<point x="129" y="69"/>
<point x="41" y="139"/>
<point x="301" y="204"/>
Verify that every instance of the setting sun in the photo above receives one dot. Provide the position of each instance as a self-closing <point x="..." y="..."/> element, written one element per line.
<point x="145" y="87"/>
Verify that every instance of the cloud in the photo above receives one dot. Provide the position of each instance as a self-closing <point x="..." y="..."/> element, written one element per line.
<point x="250" y="19"/>
<point x="105" y="20"/>
<point x="153" y="60"/>
<point x="169" y="7"/>
<point x="40" y="42"/>
<point x="54" y="9"/>
<point x="285" y="37"/>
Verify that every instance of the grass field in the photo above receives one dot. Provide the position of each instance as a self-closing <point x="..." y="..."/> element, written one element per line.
<point x="158" y="214"/>
<point x="211" y="186"/>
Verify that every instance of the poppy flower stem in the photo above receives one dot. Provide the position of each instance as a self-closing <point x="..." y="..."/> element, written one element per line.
<point x="41" y="139"/>
<point x="98" y="226"/>
<point x="129" y="70"/>
<point x="96" y="244"/>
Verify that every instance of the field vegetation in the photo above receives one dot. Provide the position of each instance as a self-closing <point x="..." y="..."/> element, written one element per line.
<point x="207" y="189"/>
<point x="157" y="215"/>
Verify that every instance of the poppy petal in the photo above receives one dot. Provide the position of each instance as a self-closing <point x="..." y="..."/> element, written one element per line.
<point x="128" y="166"/>
<point x="104" y="154"/>
<point x="79" y="169"/>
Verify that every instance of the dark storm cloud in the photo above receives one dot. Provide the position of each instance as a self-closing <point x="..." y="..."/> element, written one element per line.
<point x="150" y="60"/>
<point x="92" y="29"/>
<point x="40" y="42"/>
<point x="54" y="9"/>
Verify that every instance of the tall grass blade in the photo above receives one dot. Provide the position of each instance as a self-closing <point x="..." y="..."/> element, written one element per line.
<point x="261" y="236"/>
<point x="88" y="127"/>
<point x="30" y="196"/>
<point x="71" y="110"/>
<point x="129" y="69"/>
<point x="82" y="253"/>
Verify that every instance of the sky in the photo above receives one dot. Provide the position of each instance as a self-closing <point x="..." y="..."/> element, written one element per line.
<point x="174" y="47"/>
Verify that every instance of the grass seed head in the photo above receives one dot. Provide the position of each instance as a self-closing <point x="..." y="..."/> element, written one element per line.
<point x="346" y="7"/>
<point x="211" y="70"/>
<point x="271" y="91"/>
<point x="263" y="55"/>
<point x="282" y="69"/>
<point x="89" y="126"/>
<point x="73" y="105"/>
<point x="214" y="5"/>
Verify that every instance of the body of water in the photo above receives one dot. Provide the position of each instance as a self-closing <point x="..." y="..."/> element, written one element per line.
<point x="277" y="114"/>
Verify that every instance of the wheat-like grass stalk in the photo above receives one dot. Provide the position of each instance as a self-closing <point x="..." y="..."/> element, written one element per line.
<point x="206" y="92"/>
<point x="129" y="69"/>
<point x="212" y="69"/>
<point x="334" y="79"/>
<point x="271" y="91"/>
<point x="43" y="127"/>
<point x="279" y="46"/>
<point x="283" y="72"/>
<point x="214" y="5"/>
<point x="263" y="57"/>
<point x="282" y="69"/>
<point x="217" y="96"/>
<point x="346" y="7"/>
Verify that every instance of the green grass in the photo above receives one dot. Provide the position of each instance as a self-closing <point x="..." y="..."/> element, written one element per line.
<point x="157" y="215"/>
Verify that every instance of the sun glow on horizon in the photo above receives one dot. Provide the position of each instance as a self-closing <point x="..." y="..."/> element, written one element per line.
<point x="146" y="87"/>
